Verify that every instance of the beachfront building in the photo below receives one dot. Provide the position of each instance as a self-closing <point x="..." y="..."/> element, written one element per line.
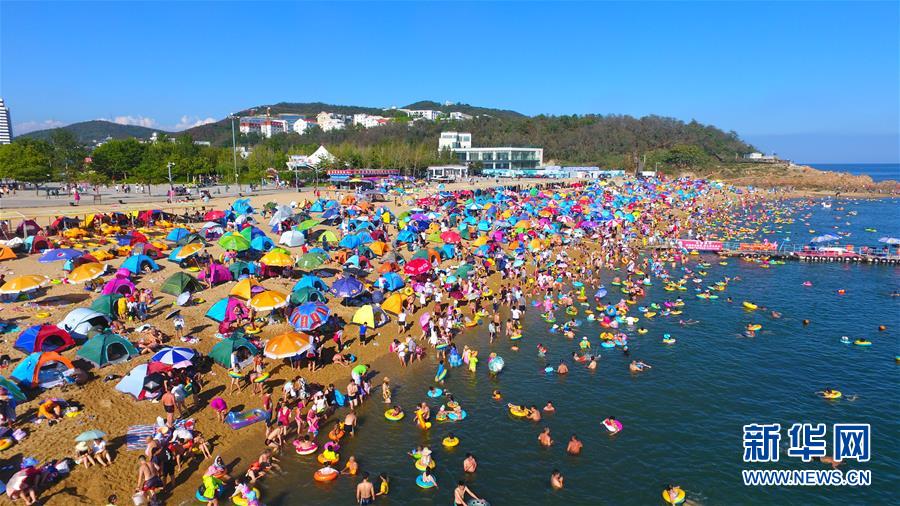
<point x="454" y="140"/>
<point x="6" y="132"/>
<point x="504" y="160"/>
<point x="267" y="126"/>
<point x="329" y="121"/>
<point x="448" y="172"/>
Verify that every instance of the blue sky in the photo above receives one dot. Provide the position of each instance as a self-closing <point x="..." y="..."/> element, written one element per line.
<point x="816" y="82"/>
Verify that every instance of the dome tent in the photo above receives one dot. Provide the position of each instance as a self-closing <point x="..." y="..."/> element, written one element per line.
<point x="107" y="348"/>
<point x="221" y="352"/>
<point x="43" y="338"/>
<point x="82" y="320"/>
<point x="43" y="370"/>
<point x="179" y="283"/>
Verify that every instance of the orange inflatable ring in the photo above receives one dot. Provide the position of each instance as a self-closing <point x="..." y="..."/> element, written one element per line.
<point x="323" y="476"/>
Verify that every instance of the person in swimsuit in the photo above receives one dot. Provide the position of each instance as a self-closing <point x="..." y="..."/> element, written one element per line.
<point x="470" y="465"/>
<point x="365" y="492"/>
<point x="574" y="446"/>
<point x="544" y="438"/>
<point x="384" y="486"/>
<point x="556" y="479"/>
<point x="460" y="492"/>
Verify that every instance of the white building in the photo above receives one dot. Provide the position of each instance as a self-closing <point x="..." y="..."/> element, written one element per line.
<point x="302" y="125"/>
<point x="6" y="132"/>
<point x="320" y="155"/>
<point x="448" y="172"/>
<point x="369" y="120"/>
<point x="426" y="114"/>
<point x="460" y="116"/>
<point x="759" y="157"/>
<point x="454" y="140"/>
<point x="329" y="121"/>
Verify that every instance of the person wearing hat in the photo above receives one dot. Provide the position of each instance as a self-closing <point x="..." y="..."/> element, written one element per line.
<point x="83" y="454"/>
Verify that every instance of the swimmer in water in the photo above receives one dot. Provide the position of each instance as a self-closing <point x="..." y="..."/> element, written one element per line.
<point x="685" y="323"/>
<point x="497" y="395"/>
<point x="533" y="414"/>
<point x="574" y="446"/>
<point x="830" y="461"/>
<point x="672" y="492"/>
<point x="563" y="368"/>
<point x="470" y="464"/>
<point x="544" y="437"/>
<point x="638" y="366"/>
<point x="556" y="480"/>
<point x="592" y="365"/>
<point x="549" y="408"/>
<point x="776" y="315"/>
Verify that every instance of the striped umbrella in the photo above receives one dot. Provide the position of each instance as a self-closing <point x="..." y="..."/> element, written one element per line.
<point x="173" y="355"/>
<point x="309" y="316"/>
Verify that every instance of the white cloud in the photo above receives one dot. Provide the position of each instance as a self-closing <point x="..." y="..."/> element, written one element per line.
<point x="135" y="120"/>
<point x="191" y="122"/>
<point x="31" y="126"/>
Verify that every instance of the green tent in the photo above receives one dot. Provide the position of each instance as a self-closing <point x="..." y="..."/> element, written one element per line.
<point x="311" y="261"/>
<point x="221" y="352"/>
<point x="327" y="236"/>
<point x="307" y="294"/>
<point x="106" y="304"/>
<point x="194" y="237"/>
<point x="237" y="268"/>
<point x="105" y="349"/>
<point x="179" y="283"/>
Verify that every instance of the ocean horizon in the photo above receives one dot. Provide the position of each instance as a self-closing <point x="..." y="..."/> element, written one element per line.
<point x="877" y="171"/>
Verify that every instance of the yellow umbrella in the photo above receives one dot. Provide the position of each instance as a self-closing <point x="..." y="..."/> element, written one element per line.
<point x="87" y="272"/>
<point x="287" y="345"/>
<point x="276" y="258"/>
<point x="23" y="284"/>
<point x="242" y="288"/>
<point x="481" y="241"/>
<point x="268" y="300"/>
<point x="187" y="250"/>
<point x="523" y="224"/>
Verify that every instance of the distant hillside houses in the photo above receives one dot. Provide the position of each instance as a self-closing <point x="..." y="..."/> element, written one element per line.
<point x="760" y="158"/>
<point x="434" y="115"/>
<point x="267" y="126"/>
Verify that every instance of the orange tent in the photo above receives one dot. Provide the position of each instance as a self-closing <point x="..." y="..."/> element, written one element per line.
<point x="7" y="254"/>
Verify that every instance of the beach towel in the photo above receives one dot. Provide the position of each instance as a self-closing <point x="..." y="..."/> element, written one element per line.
<point x="136" y="435"/>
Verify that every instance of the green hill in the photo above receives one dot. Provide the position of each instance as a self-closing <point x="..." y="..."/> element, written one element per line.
<point x="86" y="132"/>
<point x="465" y="109"/>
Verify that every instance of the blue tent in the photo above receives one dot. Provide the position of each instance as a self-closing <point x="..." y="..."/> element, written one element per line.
<point x="262" y="243"/>
<point x="311" y="281"/>
<point x="217" y="311"/>
<point x="406" y="235"/>
<point x="176" y="234"/>
<point x="390" y="281"/>
<point x="42" y="369"/>
<point x="350" y="242"/>
<point x="448" y="251"/>
<point x="317" y="207"/>
<point x="242" y="206"/>
<point x="137" y="263"/>
<point x="133" y="382"/>
<point x="43" y="338"/>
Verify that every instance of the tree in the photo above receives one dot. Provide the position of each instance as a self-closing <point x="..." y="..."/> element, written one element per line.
<point x="684" y="156"/>
<point x="67" y="154"/>
<point x="117" y="158"/>
<point x="26" y="160"/>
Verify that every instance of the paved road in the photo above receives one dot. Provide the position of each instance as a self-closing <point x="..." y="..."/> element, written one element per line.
<point x="31" y="199"/>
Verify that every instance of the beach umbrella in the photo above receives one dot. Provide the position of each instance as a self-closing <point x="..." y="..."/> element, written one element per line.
<point x="893" y="241"/>
<point x="184" y="252"/>
<point x="424" y="319"/>
<point x="58" y="255"/>
<point x="451" y="237"/>
<point x="417" y="266"/>
<point x="90" y="435"/>
<point x="306" y="225"/>
<point x="309" y="316"/>
<point x="173" y="355"/>
<point x="268" y="300"/>
<point x="276" y="258"/>
<point x="347" y="287"/>
<point x="25" y="283"/>
<point x="235" y="242"/>
<point x="287" y="345"/>
<point x="86" y="272"/>
<point x="464" y="270"/>
<point x="214" y="215"/>
<point x="311" y="261"/>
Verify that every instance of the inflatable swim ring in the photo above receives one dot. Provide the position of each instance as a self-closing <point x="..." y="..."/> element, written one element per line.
<point x="327" y="460"/>
<point x="250" y="329"/>
<point x="392" y="417"/>
<point x="515" y="337"/>
<point x="421" y="467"/>
<point x="325" y="474"/>
<point x="42" y="314"/>
<point x="678" y="499"/>
<point x="450" y="442"/>
<point x="754" y="327"/>
<point x="336" y="434"/>
<point x="862" y="342"/>
<point x="749" y="305"/>
<point x="833" y="395"/>
<point x="305" y="450"/>
<point x="261" y="378"/>
<point x="457" y="418"/>
<point x="241" y="501"/>
<point x="421" y="482"/>
<point x="613" y="426"/>
<point x="6" y="443"/>
<point x="515" y="411"/>
<point x="235" y="374"/>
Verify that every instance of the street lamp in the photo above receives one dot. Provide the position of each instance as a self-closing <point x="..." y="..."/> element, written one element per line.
<point x="169" y="166"/>
<point x="234" y="152"/>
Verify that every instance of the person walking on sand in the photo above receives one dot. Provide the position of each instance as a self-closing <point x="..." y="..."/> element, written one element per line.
<point x="168" y="402"/>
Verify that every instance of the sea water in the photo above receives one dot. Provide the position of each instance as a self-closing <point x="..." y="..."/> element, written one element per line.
<point x="877" y="171"/>
<point x="683" y="418"/>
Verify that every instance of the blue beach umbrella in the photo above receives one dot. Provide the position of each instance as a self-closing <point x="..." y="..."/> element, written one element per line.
<point x="171" y="356"/>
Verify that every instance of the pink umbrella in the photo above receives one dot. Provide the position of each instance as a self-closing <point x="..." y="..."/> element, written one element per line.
<point x="424" y="319"/>
<point x="417" y="266"/>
